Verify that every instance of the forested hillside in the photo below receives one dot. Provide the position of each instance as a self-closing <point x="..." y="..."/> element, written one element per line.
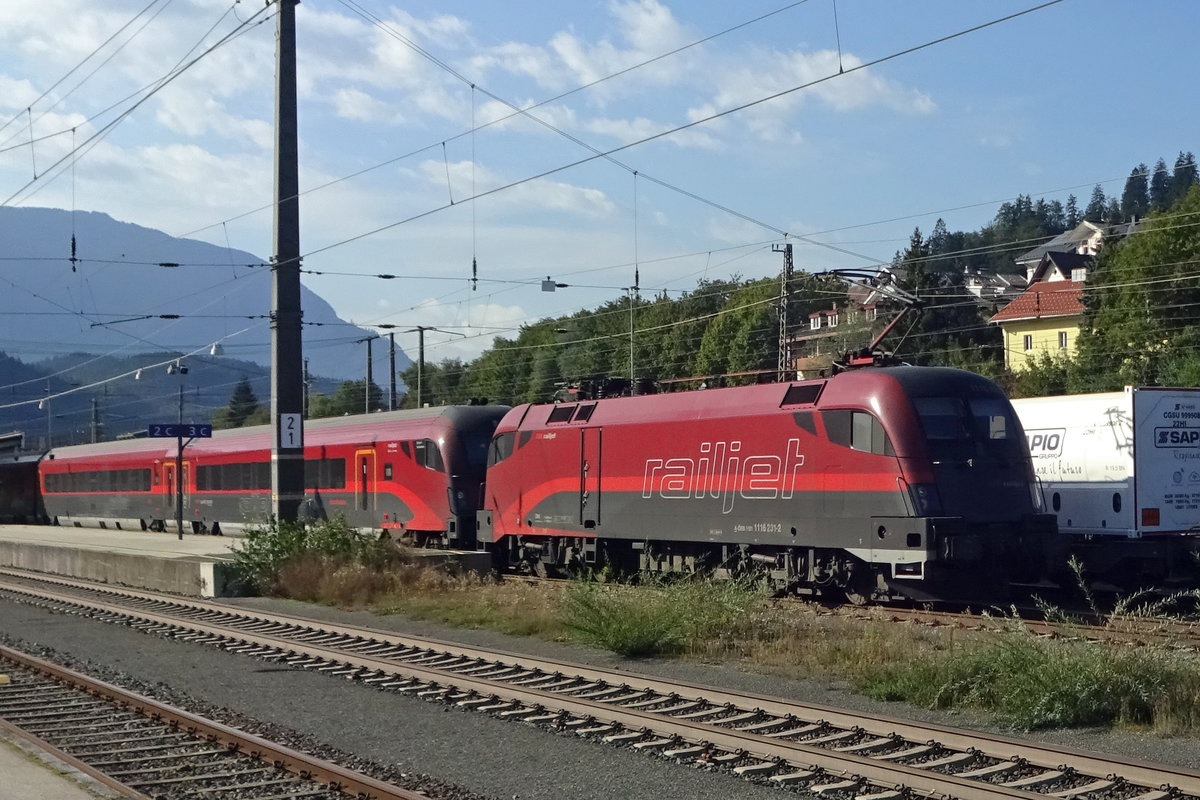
<point x="1142" y="323"/>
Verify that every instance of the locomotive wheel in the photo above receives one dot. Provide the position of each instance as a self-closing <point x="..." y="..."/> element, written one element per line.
<point x="860" y="586"/>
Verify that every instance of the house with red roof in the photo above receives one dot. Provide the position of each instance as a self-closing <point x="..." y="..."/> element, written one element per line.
<point x="1045" y="317"/>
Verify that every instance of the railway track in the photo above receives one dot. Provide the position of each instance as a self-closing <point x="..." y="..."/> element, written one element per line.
<point x="771" y="740"/>
<point x="1131" y="628"/>
<point x="146" y="750"/>
<point x="1114" y="628"/>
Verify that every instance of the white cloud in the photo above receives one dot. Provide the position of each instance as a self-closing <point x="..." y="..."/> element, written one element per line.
<point x="357" y="105"/>
<point x="543" y="194"/>
<point x="634" y="130"/>
<point x="15" y="95"/>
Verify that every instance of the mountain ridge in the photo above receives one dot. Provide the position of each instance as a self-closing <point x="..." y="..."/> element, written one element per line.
<point x="125" y="278"/>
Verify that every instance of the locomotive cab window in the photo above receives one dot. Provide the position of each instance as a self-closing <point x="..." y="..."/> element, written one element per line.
<point x="502" y="447"/>
<point x="427" y="454"/>
<point x="857" y="430"/>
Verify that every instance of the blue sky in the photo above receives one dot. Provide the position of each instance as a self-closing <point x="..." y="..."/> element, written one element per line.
<point x="1046" y="104"/>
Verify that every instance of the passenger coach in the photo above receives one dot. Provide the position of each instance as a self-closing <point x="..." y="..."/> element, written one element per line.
<point x="870" y="484"/>
<point x="416" y="473"/>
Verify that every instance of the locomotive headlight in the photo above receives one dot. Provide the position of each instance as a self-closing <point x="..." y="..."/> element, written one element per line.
<point x="926" y="500"/>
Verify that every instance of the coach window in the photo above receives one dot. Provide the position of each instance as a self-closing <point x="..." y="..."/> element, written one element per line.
<point x="336" y="473"/>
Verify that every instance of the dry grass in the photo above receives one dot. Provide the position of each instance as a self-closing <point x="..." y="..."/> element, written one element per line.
<point x="427" y="593"/>
<point x="1029" y="681"/>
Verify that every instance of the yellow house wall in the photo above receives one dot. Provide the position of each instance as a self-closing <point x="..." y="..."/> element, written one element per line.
<point x="1045" y="339"/>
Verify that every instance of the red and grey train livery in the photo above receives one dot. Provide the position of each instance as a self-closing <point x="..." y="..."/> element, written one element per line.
<point x="869" y="484"/>
<point x="416" y="473"/>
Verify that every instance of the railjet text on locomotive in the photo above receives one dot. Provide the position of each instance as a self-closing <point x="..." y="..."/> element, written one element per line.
<point x="722" y="475"/>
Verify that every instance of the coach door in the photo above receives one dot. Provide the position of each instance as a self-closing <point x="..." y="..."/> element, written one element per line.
<point x="174" y="492"/>
<point x="169" y="484"/>
<point x="364" y="485"/>
<point x="589" y="478"/>
<point x="185" y="485"/>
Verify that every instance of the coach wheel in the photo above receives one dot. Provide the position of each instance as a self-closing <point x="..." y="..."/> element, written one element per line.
<point x="143" y="524"/>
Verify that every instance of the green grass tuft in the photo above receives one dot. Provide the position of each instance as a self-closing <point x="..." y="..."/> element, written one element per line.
<point x="657" y="618"/>
<point x="1035" y="683"/>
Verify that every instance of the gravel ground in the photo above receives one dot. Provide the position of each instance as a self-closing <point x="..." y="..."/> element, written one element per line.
<point x="468" y="753"/>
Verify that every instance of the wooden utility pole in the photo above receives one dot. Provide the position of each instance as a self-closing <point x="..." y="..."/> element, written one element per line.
<point x="287" y="390"/>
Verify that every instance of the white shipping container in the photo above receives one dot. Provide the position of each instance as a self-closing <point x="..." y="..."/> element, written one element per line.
<point x="1120" y="464"/>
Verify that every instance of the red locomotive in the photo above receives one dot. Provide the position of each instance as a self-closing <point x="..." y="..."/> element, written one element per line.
<point x="867" y="485"/>
<point x="416" y="473"/>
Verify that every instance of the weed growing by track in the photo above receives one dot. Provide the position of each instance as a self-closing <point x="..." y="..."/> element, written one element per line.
<point x="1042" y="683"/>
<point x="656" y="617"/>
<point x="334" y="564"/>
<point x="263" y="559"/>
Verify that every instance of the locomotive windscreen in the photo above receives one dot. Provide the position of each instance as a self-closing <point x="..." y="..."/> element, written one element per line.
<point x="969" y="427"/>
<point x="475" y="445"/>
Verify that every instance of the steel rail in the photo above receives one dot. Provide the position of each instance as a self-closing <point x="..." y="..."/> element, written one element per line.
<point x="993" y="745"/>
<point x="1116" y="629"/>
<point x="95" y="774"/>
<point x="999" y="747"/>
<point x="889" y="776"/>
<point x="298" y="763"/>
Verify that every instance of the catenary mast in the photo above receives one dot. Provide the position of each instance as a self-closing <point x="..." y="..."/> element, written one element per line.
<point x="287" y="389"/>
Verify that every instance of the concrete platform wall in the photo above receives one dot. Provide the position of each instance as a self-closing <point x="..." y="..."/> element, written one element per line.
<point x="191" y="577"/>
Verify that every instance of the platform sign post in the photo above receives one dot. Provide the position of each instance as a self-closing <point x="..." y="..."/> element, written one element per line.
<point x="178" y="430"/>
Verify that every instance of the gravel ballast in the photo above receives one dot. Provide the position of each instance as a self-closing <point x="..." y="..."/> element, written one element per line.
<point x="449" y="752"/>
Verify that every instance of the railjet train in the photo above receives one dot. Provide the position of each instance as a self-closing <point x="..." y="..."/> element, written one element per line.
<point x="416" y="473"/>
<point x="870" y="484"/>
<point x="867" y="485"/>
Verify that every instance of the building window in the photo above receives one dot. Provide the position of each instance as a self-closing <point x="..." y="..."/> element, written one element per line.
<point x="1062" y="340"/>
<point x="1028" y="342"/>
<point x="815" y="323"/>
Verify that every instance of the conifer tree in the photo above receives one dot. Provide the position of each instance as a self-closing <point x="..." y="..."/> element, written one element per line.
<point x="1097" y="206"/>
<point x="1135" y="200"/>
<point x="1184" y="177"/>
<point x="1160" y="187"/>
<point x="1072" y="212"/>
<point x="242" y="405"/>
